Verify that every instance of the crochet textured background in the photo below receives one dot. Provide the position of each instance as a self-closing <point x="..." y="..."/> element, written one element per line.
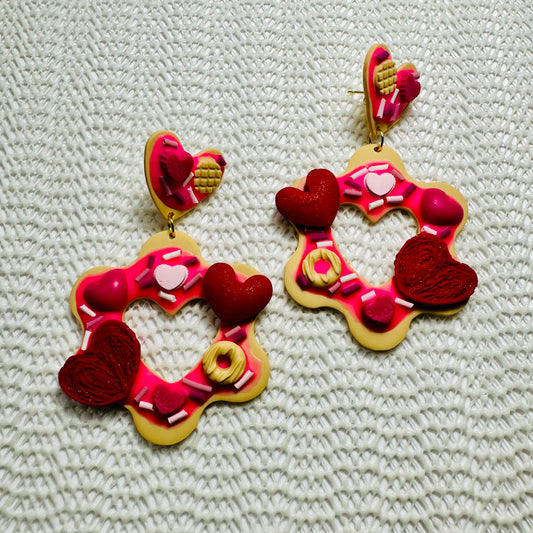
<point x="435" y="435"/>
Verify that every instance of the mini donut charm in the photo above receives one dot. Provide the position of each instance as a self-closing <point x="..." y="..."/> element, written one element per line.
<point x="427" y="276"/>
<point x="108" y="368"/>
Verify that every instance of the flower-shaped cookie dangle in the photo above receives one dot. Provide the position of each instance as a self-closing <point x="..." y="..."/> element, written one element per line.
<point x="169" y="270"/>
<point x="427" y="278"/>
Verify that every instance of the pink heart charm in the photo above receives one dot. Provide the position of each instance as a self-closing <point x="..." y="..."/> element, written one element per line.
<point x="170" y="277"/>
<point x="440" y="209"/>
<point x="379" y="310"/>
<point x="168" y="401"/>
<point x="109" y="293"/>
<point x="408" y="86"/>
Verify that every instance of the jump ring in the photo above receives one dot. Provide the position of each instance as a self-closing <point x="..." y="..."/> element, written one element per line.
<point x="171" y="228"/>
<point x="382" y="139"/>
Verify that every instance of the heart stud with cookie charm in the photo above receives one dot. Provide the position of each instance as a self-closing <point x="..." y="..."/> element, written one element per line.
<point x="428" y="277"/>
<point x="108" y="368"/>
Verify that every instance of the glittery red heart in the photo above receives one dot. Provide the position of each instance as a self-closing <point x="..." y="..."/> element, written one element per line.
<point x="109" y="293"/>
<point x="168" y="401"/>
<point x="232" y="301"/>
<point x="316" y="206"/>
<point x="177" y="166"/>
<point x="105" y="372"/>
<point x="438" y="208"/>
<point x="426" y="273"/>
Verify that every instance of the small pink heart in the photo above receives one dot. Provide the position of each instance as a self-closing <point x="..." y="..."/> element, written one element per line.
<point x="380" y="184"/>
<point x="439" y="208"/>
<point x="379" y="310"/>
<point x="109" y="293"/>
<point x="408" y="86"/>
<point x="178" y="166"/>
<point x="168" y="401"/>
<point x="170" y="277"/>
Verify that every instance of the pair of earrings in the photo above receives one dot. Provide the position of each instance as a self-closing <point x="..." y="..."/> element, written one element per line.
<point x="170" y="270"/>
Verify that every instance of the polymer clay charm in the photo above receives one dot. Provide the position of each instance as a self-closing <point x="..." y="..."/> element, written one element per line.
<point x="108" y="368"/>
<point x="427" y="278"/>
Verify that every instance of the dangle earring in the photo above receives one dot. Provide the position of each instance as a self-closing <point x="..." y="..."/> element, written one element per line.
<point x="107" y="369"/>
<point x="427" y="278"/>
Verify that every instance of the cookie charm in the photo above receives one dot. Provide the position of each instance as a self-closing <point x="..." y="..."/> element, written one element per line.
<point x="169" y="270"/>
<point x="428" y="278"/>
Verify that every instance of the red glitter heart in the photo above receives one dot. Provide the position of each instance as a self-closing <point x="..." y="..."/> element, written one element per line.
<point x="316" y="206"/>
<point x="177" y="166"/>
<point x="426" y="273"/>
<point x="438" y="208"/>
<point x="378" y="311"/>
<point x="105" y="372"/>
<point x="109" y="293"/>
<point x="232" y="301"/>
<point x="167" y="401"/>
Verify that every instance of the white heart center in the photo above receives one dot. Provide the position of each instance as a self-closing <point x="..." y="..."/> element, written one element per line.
<point x="170" y="277"/>
<point x="380" y="184"/>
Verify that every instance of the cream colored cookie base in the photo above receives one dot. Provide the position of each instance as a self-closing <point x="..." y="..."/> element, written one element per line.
<point x="173" y="434"/>
<point x="367" y="337"/>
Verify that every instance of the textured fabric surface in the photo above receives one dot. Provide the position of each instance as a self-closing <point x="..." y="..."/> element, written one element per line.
<point x="434" y="435"/>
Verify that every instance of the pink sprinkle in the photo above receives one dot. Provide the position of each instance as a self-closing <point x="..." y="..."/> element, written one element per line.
<point x="353" y="192"/>
<point x="169" y="142"/>
<point x="151" y="261"/>
<point x="92" y="323"/>
<point x="350" y="288"/>
<point x="238" y="337"/>
<point x="382" y="55"/>
<point x="397" y="174"/>
<point x="181" y="197"/>
<point x="148" y="281"/>
<point x="244" y="380"/>
<point x="319" y="237"/>
<point x="444" y="232"/>
<point x="334" y="288"/>
<point x="232" y="331"/>
<point x="177" y="417"/>
<point x="197" y="396"/>
<point x="190" y="261"/>
<point x="193" y="281"/>
<point x="146" y="405"/>
<point x="409" y="190"/>
<point x="142" y="274"/>
<point x="352" y="183"/>
<point x="164" y="184"/>
<point x="302" y="281"/>
<point x="195" y="385"/>
<point x="141" y="394"/>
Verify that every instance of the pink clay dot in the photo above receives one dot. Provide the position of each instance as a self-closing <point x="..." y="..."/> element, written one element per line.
<point x="322" y="266"/>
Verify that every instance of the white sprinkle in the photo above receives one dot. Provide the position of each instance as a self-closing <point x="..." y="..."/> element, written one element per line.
<point x="142" y="274"/>
<point x="231" y="332"/>
<point x="192" y="282"/>
<point x="368" y="296"/>
<point x="395" y="199"/>
<point x="348" y="277"/>
<point x="381" y="108"/>
<point x="167" y="296"/>
<point x="353" y="192"/>
<point x="172" y="255"/>
<point x="394" y="172"/>
<point x="360" y="172"/>
<point x="193" y="197"/>
<point x="168" y="142"/>
<point x="405" y="303"/>
<point x="322" y="244"/>
<point x="188" y="180"/>
<point x="146" y="405"/>
<point x="394" y="96"/>
<point x="429" y="230"/>
<point x="85" y="341"/>
<point x="244" y="380"/>
<point x="141" y="394"/>
<point x="178" y="416"/>
<point x="195" y="385"/>
<point x="87" y="311"/>
<point x="334" y="288"/>
<point x="373" y="168"/>
<point x="377" y="203"/>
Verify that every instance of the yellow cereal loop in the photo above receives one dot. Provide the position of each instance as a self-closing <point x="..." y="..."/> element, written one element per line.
<point x="322" y="279"/>
<point x="219" y="374"/>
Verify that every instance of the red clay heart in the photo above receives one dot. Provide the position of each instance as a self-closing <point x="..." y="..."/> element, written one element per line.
<point x="177" y="166"/>
<point x="378" y="311"/>
<point x="105" y="372"/>
<point x="426" y="273"/>
<point x="438" y="208"/>
<point x="408" y="86"/>
<point x="168" y="401"/>
<point x="316" y="206"/>
<point x="232" y="301"/>
<point x="109" y="293"/>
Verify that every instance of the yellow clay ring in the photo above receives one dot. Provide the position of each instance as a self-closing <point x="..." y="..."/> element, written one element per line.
<point x="230" y="373"/>
<point x="326" y="278"/>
